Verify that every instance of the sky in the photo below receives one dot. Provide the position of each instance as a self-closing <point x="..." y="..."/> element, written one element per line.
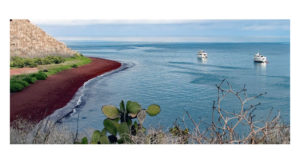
<point x="169" y="30"/>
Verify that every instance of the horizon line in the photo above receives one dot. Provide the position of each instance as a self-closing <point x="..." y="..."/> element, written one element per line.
<point x="141" y="41"/>
<point x="179" y="39"/>
<point x="176" y="41"/>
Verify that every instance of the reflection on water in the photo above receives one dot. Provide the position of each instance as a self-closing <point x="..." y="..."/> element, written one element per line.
<point x="261" y="68"/>
<point x="202" y="60"/>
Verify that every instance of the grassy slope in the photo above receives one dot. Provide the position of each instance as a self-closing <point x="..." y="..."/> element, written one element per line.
<point x="55" y="68"/>
<point x="51" y="69"/>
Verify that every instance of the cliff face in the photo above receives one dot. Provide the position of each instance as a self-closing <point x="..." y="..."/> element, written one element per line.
<point x="28" y="40"/>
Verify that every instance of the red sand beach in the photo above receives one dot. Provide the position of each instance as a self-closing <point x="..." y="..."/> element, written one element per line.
<point x="41" y="99"/>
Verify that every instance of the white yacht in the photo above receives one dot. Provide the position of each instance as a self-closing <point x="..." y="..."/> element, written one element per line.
<point x="259" y="58"/>
<point x="202" y="54"/>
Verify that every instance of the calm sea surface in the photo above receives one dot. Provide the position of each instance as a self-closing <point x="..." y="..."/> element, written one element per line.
<point x="171" y="75"/>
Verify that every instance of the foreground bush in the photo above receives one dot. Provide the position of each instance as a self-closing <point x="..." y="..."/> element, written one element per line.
<point x="19" y="82"/>
<point x="221" y="130"/>
<point x="16" y="86"/>
<point x="74" y="66"/>
<point x="224" y="125"/>
<point x="40" y="75"/>
<point x="21" y="130"/>
<point x="30" y="79"/>
<point x="121" y="126"/>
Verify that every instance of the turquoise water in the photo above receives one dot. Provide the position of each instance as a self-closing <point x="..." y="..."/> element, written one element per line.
<point x="171" y="75"/>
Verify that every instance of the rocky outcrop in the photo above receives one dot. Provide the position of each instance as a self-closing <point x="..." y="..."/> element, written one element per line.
<point x="28" y="40"/>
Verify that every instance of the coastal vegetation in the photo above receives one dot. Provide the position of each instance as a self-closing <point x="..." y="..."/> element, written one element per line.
<point x="124" y="125"/>
<point x="70" y="62"/>
<point x="119" y="125"/>
<point x="19" y="82"/>
<point x="47" y="66"/>
<point x="20" y="62"/>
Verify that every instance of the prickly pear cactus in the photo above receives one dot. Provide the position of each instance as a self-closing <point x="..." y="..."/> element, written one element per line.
<point x="111" y="111"/>
<point x="99" y="137"/>
<point x="84" y="140"/>
<point x="119" y="125"/>
<point x="111" y="126"/>
<point x="153" y="110"/>
<point x="133" y="107"/>
<point x="123" y="129"/>
<point x="96" y="137"/>
<point x="104" y="140"/>
<point x="124" y="132"/>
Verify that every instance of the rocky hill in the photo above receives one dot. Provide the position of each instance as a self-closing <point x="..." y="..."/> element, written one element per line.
<point x="28" y="40"/>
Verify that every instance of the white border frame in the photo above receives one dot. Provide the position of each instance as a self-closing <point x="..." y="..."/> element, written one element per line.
<point x="150" y="10"/>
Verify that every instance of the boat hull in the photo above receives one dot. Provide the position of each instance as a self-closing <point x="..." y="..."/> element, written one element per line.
<point x="200" y="56"/>
<point x="260" y="61"/>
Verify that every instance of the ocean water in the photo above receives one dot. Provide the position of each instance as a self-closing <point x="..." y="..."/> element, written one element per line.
<point x="171" y="75"/>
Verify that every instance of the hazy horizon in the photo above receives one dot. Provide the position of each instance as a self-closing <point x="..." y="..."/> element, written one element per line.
<point x="169" y="30"/>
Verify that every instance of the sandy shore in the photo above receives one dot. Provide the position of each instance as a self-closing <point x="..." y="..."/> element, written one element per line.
<point x="45" y="96"/>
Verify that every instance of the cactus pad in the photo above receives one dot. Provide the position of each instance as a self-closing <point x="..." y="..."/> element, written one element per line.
<point x="111" y="126"/>
<point x="110" y="111"/>
<point x="84" y="140"/>
<point x="153" y="110"/>
<point x="123" y="129"/>
<point x="104" y="140"/>
<point x="96" y="137"/>
<point x="133" y="107"/>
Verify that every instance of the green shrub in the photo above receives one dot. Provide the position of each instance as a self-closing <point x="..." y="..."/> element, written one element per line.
<point x="24" y="83"/>
<point x="45" y="61"/>
<point x="60" y="59"/>
<point x="17" y="85"/>
<point x="54" y="59"/>
<point x="37" y="61"/>
<point x="84" y="140"/>
<point x="40" y="76"/>
<point x="29" y="63"/>
<point x="21" y="81"/>
<point x="30" y="79"/>
<point x="74" y="66"/>
<point x="17" y="62"/>
<point x="25" y="80"/>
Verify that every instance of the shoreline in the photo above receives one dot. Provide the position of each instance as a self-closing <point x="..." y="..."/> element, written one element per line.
<point x="43" y="98"/>
<point x="72" y="106"/>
